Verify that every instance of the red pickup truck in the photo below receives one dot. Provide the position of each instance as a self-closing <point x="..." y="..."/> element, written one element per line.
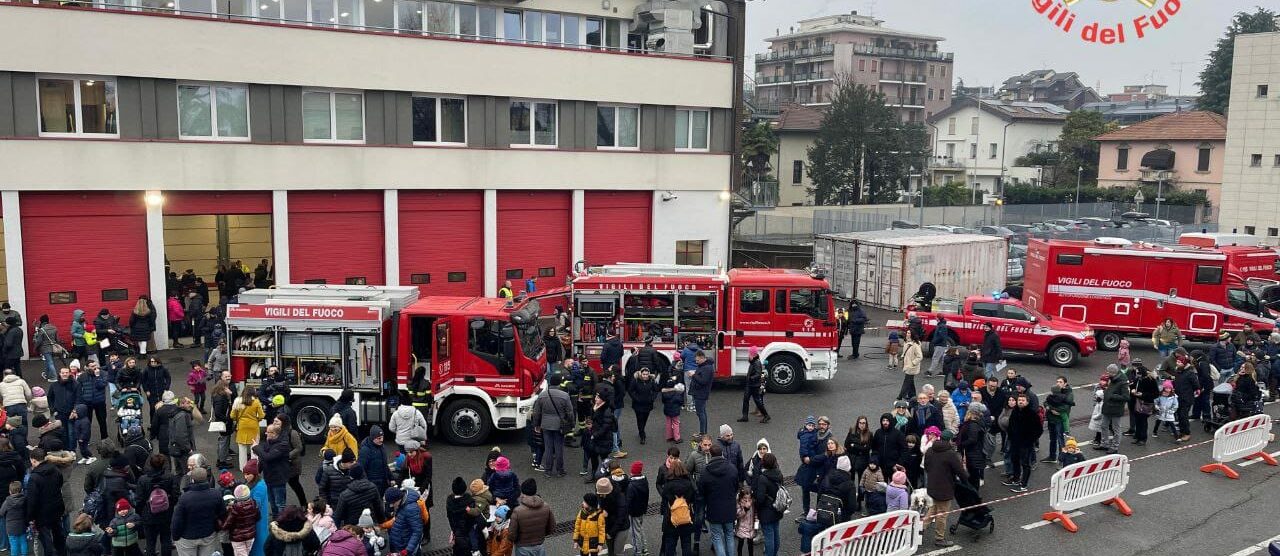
<point x="1022" y="330"/>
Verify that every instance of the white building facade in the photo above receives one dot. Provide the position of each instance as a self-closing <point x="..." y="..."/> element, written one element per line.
<point x="1251" y="173"/>
<point x="446" y="144"/>
<point x="976" y="142"/>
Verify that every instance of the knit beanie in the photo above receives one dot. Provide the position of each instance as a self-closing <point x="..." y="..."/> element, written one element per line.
<point x="335" y="421"/>
<point x="241" y="492"/>
<point x="366" y="519"/>
<point x="477" y="486"/>
<point x="529" y="487"/>
<point x="899" y="478"/>
<point x="459" y="486"/>
<point x="592" y="500"/>
<point x="123" y="505"/>
<point x="251" y="467"/>
<point x="604" y="486"/>
<point x="637" y="468"/>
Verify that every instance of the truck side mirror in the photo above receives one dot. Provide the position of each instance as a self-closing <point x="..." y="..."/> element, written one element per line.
<point x="1034" y="320"/>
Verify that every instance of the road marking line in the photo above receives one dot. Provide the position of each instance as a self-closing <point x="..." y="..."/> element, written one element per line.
<point x="1042" y="522"/>
<point x="1253" y="461"/>
<point x="1085" y="443"/>
<point x="946" y="550"/>
<point x="1254" y="548"/>
<point x="1149" y="492"/>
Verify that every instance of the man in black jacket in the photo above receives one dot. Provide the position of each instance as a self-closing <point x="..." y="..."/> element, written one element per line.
<point x="44" y="504"/>
<point x="888" y="443"/>
<point x="196" y="516"/>
<point x="11" y="346"/>
<point x="718" y="484"/>
<point x="942" y="467"/>
<point x="991" y="352"/>
<point x="359" y="495"/>
<point x="857" y="323"/>
<point x="156" y="380"/>
<point x="755" y="386"/>
<point x="273" y="458"/>
<point x="1024" y="435"/>
<point x="62" y="402"/>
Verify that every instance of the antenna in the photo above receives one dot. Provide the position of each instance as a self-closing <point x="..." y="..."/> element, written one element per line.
<point x="1179" y="65"/>
<point x="871" y="8"/>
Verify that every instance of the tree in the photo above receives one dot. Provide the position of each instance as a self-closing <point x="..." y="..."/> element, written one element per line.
<point x="1215" y="78"/>
<point x="1077" y="148"/>
<point x="759" y="144"/>
<point x="949" y="195"/>
<point x="862" y="142"/>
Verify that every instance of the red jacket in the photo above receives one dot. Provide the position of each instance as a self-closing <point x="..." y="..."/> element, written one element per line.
<point x="241" y="522"/>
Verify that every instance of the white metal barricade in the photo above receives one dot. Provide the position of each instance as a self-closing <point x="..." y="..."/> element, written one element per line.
<point x="1242" y="438"/>
<point x="896" y="533"/>
<point x="1099" y="480"/>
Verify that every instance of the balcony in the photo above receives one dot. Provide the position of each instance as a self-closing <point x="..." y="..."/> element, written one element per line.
<point x="792" y="54"/>
<point x="904" y="102"/>
<point x="764" y="80"/>
<point x="761" y="194"/>
<point x="909" y="78"/>
<point x="945" y="164"/>
<point x="1153" y="176"/>
<point x="926" y="55"/>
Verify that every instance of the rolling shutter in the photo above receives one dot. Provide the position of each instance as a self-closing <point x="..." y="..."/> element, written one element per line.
<point x="442" y="241"/>
<point x="617" y="226"/>
<point x="335" y="237"/>
<point x="81" y="250"/>
<point x="533" y="237"/>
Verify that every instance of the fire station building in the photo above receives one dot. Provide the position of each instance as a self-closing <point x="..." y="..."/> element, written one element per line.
<point x="450" y="145"/>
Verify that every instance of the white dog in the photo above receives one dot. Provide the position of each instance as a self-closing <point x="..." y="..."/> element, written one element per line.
<point x="921" y="501"/>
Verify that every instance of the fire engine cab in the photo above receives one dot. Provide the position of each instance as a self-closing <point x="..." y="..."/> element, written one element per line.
<point x="789" y="315"/>
<point x="1120" y="288"/>
<point x="484" y="357"/>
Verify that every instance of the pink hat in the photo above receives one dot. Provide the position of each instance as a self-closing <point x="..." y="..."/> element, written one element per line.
<point x="753" y="351"/>
<point x="899" y="478"/>
<point x="1167" y="385"/>
<point x="933" y="432"/>
<point x="502" y="464"/>
<point x="676" y="356"/>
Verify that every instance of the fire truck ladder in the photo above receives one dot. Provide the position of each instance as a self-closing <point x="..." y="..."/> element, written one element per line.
<point x="648" y="269"/>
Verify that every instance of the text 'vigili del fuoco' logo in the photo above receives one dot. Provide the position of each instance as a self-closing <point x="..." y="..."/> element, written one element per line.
<point x="1155" y="16"/>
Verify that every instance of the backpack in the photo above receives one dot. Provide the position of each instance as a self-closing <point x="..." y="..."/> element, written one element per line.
<point x="1214" y="373"/>
<point x="93" y="502"/>
<point x="158" y="501"/>
<point x="828" y="508"/>
<point x="782" y="500"/>
<point x="680" y="514"/>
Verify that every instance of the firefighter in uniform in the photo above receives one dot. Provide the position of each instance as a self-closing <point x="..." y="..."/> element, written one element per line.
<point x="420" y="394"/>
<point x="505" y="291"/>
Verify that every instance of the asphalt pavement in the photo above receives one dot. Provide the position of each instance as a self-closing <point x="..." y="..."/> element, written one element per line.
<point x="1176" y="508"/>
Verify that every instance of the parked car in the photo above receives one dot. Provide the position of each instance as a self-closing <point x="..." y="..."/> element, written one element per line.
<point x="903" y="225"/>
<point x="1134" y="215"/>
<point x="1020" y="232"/>
<point x="998" y="231"/>
<point x="946" y="229"/>
<point x="1068" y="223"/>
<point x="1014" y="270"/>
<point x="1098" y="222"/>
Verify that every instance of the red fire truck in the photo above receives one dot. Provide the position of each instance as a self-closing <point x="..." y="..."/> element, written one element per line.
<point x="789" y="315"/>
<point x="1120" y="288"/>
<point x="485" y="357"/>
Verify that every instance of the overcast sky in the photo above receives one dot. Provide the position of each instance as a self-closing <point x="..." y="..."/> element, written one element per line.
<point x="996" y="39"/>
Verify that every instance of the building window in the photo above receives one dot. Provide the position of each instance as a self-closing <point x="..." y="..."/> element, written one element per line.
<point x="994" y="149"/>
<point x="547" y="272"/>
<point x="690" y="252"/>
<point x="618" y="127"/>
<point x="943" y="69"/>
<point x="973" y="150"/>
<point x="693" y="129"/>
<point x="973" y="125"/>
<point x="1255" y="160"/>
<point x="457" y="277"/>
<point x="1122" y="158"/>
<point x="932" y="69"/>
<point x="1276" y="161"/>
<point x="332" y="117"/>
<point x="419" y="279"/>
<point x="512" y="25"/>
<point x="603" y="33"/>
<point x="213" y="112"/>
<point x="1262" y="91"/>
<point x="874" y="66"/>
<point x="439" y="120"/>
<point x="1249" y="230"/>
<point x="1202" y="164"/>
<point x="797" y="172"/>
<point x="1273" y="232"/>
<point x="69" y="107"/>
<point x="533" y="123"/>
<point x="948" y="179"/>
<point x="931" y="93"/>
<point x="951" y="126"/>
<point x="942" y="94"/>
<point x="862" y="65"/>
<point x="515" y="273"/>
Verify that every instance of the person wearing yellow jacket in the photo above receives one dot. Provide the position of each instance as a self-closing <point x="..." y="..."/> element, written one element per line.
<point x="246" y="413"/>
<point x="339" y="438"/>
<point x="588" y="527"/>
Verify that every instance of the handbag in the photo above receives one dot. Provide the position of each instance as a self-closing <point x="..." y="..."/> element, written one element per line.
<point x="1142" y="408"/>
<point x="217" y="426"/>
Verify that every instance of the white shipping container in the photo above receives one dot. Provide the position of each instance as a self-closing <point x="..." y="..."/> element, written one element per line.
<point x="885" y="268"/>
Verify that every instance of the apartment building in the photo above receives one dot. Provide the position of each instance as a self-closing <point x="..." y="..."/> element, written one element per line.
<point x="1179" y="151"/>
<point x="1251" y="173"/>
<point x="976" y="142"/>
<point x="450" y="145"/>
<point x="801" y="66"/>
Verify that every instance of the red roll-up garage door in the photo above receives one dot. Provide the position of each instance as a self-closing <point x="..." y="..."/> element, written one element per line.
<point x="617" y="226"/>
<point x="217" y="202"/>
<point x="64" y="272"/>
<point x="533" y="237"/>
<point x="442" y="241"/>
<point x="336" y="237"/>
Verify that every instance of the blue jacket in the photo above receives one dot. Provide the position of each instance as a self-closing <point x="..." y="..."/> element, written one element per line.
<point x="686" y="357"/>
<point x="81" y="424"/>
<point x="77" y="328"/>
<point x="811" y="446"/>
<point x="1223" y="357"/>
<point x="505" y="485"/>
<point x="672" y="402"/>
<point x="374" y="462"/>
<point x="700" y="384"/>
<point x="259" y="495"/>
<point x="406" y="532"/>
<point x="92" y="390"/>
<point x="941" y="335"/>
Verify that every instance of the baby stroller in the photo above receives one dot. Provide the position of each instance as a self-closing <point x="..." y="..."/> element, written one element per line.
<point x="973" y="516"/>
<point x="1219" y="407"/>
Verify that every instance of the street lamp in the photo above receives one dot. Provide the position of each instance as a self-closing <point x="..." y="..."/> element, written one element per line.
<point x="1079" y="174"/>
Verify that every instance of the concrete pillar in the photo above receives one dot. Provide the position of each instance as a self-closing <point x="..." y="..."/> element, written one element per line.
<point x="280" y="234"/>
<point x="579" y="227"/>
<point x="13" y="267"/>
<point x="391" y="235"/>
<point x="490" y="243"/>
<point x="154" y="201"/>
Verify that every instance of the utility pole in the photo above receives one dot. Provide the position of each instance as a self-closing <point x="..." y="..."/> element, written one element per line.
<point x="1079" y="174"/>
<point x="862" y="172"/>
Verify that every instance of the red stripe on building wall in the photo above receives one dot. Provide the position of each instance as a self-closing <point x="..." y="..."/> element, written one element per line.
<point x="534" y="230"/>
<point x="617" y="226"/>
<point x="336" y="237"/>
<point x="442" y="241"/>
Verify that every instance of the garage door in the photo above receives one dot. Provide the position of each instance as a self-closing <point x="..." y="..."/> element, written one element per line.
<point x="336" y="237"/>
<point x="533" y="237"/>
<point x="617" y="226"/>
<point x="64" y="273"/>
<point x="442" y="241"/>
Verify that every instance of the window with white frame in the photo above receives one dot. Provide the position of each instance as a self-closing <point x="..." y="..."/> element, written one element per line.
<point x="618" y="127"/>
<point x="333" y="117"/>
<point x="439" y="120"/>
<point x="533" y="123"/>
<point x="213" y="111"/>
<point x="77" y="107"/>
<point x="693" y="129"/>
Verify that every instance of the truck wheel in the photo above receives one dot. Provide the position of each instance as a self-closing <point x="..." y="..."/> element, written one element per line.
<point x="1063" y="354"/>
<point x="311" y="418"/>
<point x="1109" y="341"/>
<point x="465" y="423"/>
<point x="785" y="373"/>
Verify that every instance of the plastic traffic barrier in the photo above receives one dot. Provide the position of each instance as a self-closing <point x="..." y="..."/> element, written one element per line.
<point x="896" y="533"/>
<point x="1099" y="480"/>
<point x="1242" y="438"/>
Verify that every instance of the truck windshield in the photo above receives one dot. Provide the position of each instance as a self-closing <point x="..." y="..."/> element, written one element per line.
<point x="526" y="322"/>
<point x="810" y="302"/>
<point x="1244" y="300"/>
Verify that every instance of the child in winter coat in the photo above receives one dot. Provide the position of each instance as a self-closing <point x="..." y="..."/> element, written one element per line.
<point x="373" y="541"/>
<point x="123" y="530"/>
<point x="745" y="530"/>
<point x="14" y="513"/>
<point x="893" y="347"/>
<point x="1070" y="453"/>
<point x="91" y="344"/>
<point x="588" y="527"/>
<point x="129" y="411"/>
<point x="196" y="380"/>
<point x="39" y="403"/>
<point x="241" y="521"/>
<point x="500" y="541"/>
<point x="874" y="497"/>
<point x="84" y="540"/>
<point x="637" y="504"/>
<point x="895" y="493"/>
<point x="1122" y="355"/>
<point x="1166" y="407"/>
<point x="320" y="516"/>
<point x="81" y="430"/>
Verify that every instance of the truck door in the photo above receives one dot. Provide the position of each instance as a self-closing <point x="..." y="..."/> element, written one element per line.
<point x="1161" y="280"/>
<point x="421" y="346"/>
<point x="441" y="369"/>
<point x="1022" y="333"/>
<point x="1207" y="286"/>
